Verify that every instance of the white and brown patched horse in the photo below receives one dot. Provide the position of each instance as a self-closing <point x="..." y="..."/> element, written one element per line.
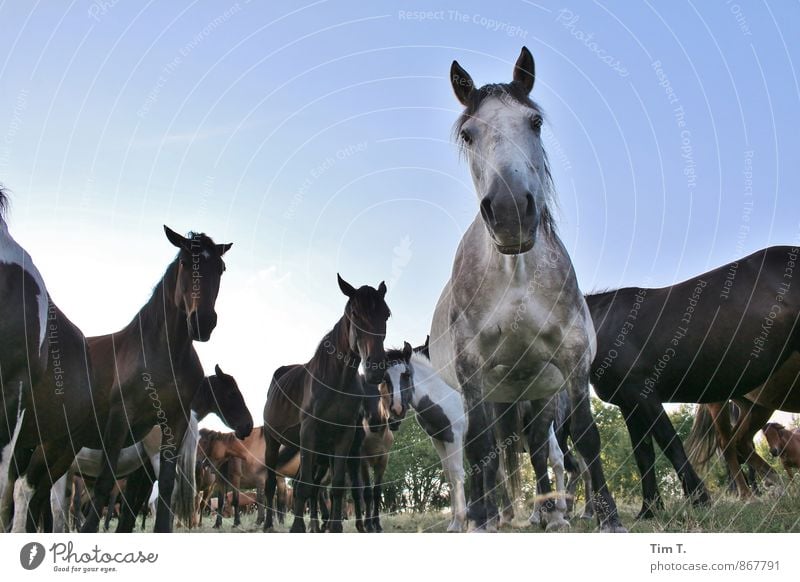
<point x="412" y="382"/>
<point x="511" y="323"/>
<point x="45" y="382"/>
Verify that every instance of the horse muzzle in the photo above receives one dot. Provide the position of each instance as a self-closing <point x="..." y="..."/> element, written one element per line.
<point x="774" y="451"/>
<point x="512" y="225"/>
<point x="201" y="327"/>
<point x="244" y="431"/>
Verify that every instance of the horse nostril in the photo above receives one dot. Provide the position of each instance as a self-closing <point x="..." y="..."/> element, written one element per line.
<point x="530" y="210"/>
<point x="486" y="210"/>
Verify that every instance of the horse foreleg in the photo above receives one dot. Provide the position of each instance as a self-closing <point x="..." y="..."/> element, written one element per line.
<point x="134" y="498"/>
<point x="722" y="423"/>
<point x="368" y="501"/>
<point x="259" y="505"/>
<point x="113" y="439"/>
<point x="587" y="441"/>
<point x="305" y="484"/>
<point x="339" y="481"/>
<point x="556" y="458"/>
<point x="357" y="489"/>
<point x="235" y="483"/>
<point x="59" y="503"/>
<point x="483" y="465"/>
<point x="112" y="503"/>
<point x="452" y="458"/>
<point x="645" y="456"/>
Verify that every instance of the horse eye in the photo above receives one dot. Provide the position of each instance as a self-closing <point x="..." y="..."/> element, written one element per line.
<point x="466" y="137"/>
<point x="536" y="123"/>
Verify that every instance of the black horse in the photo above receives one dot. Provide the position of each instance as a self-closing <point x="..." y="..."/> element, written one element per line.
<point x="711" y="338"/>
<point x="319" y="405"/>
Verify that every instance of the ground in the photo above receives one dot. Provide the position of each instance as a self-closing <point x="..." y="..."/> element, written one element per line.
<point x="769" y="513"/>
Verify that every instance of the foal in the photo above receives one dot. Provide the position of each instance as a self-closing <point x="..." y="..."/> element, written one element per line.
<point x="784" y="443"/>
<point x="318" y="405"/>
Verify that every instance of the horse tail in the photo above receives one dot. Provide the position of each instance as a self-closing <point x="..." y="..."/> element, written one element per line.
<point x="701" y="443"/>
<point x="510" y="444"/>
<point x="185" y="486"/>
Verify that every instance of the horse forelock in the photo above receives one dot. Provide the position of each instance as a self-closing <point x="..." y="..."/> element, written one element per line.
<point x="511" y="93"/>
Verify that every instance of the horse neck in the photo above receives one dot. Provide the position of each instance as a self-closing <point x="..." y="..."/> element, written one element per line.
<point x="340" y="367"/>
<point x="159" y="320"/>
<point x="548" y="259"/>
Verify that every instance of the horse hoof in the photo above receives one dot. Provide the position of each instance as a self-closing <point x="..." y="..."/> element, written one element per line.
<point x="360" y="526"/>
<point x="557" y="525"/>
<point x="645" y="513"/>
<point x="454" y="527"/>
<point x="378" y="528"/>
<point x="336" y="528"/>
<point x="298" y="528"/>
<point x="614" y="528"/>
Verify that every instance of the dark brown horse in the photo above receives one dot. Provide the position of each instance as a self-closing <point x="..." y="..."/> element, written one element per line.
<point x="46" y="386"/>
<point x="784" y="444"/>
<point x="151" y="370"/>
<point x="725" y="334"/>
<point x="317" y="407"/>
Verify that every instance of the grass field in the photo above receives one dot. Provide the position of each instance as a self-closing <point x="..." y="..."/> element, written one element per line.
<point x="771" y="512"/>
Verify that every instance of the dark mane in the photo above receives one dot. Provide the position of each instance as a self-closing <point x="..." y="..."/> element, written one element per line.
<point x="152" y="313"/>
<point x="325" y="364"/>
<point x="394" y="356"/>
<point x="3" y="202"/>
<point x="509" y="93"/>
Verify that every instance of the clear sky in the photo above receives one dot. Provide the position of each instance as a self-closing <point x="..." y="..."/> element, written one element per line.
<point x="317" y="139"/>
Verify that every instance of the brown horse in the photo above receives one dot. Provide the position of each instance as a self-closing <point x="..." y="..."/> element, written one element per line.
<point x="785" y="444"/>
<point x="152" y="371"/>
<point x="45" y="379"/>
<point x="378" y="441"/>
<point x="780" y="392"/>
<point x="239" y="464"/>
<point x="317" y="406"/>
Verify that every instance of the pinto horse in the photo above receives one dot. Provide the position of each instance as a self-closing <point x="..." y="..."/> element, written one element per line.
<point x="317" y="406"/>
<point x="151" y="371"/>
<point x="412" y="382"/>
<point x="784" y="444"/>
<point x="511" y="323"/>
<point x="731" y="332"/>
<point x="45" y="378"/>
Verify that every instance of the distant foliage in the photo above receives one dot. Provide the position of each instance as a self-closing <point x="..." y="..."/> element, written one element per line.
<point x="414" y="479"/>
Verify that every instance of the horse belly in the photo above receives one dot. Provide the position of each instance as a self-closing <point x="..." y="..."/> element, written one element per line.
<point x="782" y="390"/>
<point x="512" y="383"/>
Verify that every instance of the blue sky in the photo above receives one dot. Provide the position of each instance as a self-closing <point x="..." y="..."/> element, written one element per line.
<point x="317" y="138"/>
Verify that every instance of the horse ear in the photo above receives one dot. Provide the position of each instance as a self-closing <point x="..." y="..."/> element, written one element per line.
<point x="382" y="289"/>
<point x="407" y="351"/>
<point x="461" y="82"/>
<point x="346" y="287"/>
<point x="222" y="249"/>
<point x="525" y="70"/>
<point x="176" y="239"/>
<point x="218" y="370"/>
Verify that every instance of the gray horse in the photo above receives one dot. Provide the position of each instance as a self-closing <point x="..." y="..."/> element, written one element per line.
<point x="511" y="323"/>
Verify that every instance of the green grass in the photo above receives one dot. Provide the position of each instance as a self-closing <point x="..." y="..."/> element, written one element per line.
<point x="775" y="511"/>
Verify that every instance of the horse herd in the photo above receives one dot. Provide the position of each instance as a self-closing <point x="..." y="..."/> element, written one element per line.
<point x="513" y="348"/>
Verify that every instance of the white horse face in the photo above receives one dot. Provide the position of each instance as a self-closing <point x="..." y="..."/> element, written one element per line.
<point x="501" y="134"/>
<point x="399" y="381"/>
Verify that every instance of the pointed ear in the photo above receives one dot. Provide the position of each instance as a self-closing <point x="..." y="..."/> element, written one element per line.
<point x="346" y="287"/>
<point x="461" y="82"/>
<point x="218" y="370"/>
<point x="407" y="351"/>
<point x="176" y="239"/>
<point x="222" y="249"/>
<point x="382" y="289"/>
<point x="525" y="70"/>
